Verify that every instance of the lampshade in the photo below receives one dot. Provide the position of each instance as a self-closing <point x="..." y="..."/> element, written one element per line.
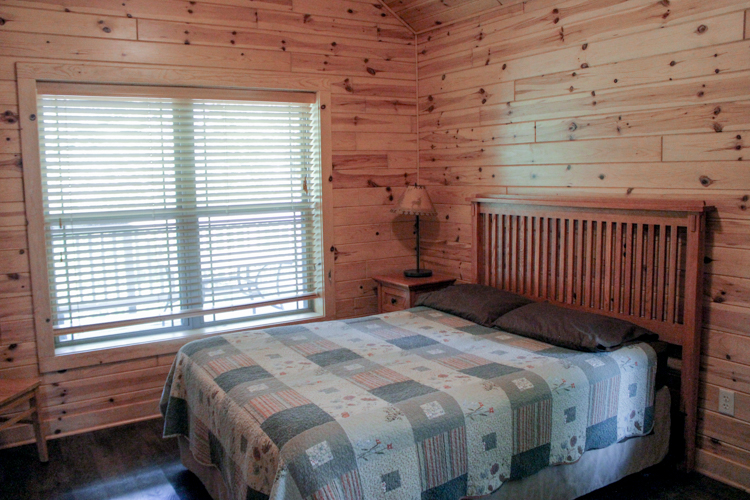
<point x="415" y="201"/>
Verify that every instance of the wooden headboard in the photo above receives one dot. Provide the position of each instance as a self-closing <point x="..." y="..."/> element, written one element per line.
<point x="638" y="260"/>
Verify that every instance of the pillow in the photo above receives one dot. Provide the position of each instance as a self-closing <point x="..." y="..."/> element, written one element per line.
<point x="563" y="327"/>
<point x="478" y="303"/>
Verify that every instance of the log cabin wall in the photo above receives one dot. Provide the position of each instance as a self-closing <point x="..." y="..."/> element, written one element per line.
<point x="638" y="98"/>
<point x="368" y="55"/>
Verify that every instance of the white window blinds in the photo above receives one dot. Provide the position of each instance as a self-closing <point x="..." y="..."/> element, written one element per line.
<point x="178" y="212"/>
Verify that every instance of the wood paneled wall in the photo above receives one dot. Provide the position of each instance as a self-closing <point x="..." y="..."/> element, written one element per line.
<point x="368" y="55"/>
<point x="638" y="98"/>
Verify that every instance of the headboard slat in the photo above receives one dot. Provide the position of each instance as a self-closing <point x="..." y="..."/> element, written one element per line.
<point x="661" y="272"/>
<point x="672" y="279"/>
<point x="637" y="261"/>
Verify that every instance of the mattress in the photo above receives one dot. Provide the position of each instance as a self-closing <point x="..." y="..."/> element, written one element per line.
<point x="412" y="404"/>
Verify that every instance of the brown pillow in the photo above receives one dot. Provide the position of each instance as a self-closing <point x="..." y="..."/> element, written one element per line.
<point x="478" y="303"/>
<point x="572" y="329"/>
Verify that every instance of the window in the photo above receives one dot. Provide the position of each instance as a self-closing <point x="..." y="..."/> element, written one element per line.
<point x="170" y="209"/>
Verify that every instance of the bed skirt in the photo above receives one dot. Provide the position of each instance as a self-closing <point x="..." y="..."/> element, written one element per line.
<point x="561" y="482"/>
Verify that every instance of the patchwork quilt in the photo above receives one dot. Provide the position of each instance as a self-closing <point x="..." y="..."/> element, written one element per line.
<point x="416" y="404"/>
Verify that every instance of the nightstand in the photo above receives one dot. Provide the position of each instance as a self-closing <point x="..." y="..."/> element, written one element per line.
<point x="397" y="292"/>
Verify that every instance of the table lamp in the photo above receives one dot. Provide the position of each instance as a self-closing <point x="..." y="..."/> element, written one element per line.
<point x="415" y="201"/>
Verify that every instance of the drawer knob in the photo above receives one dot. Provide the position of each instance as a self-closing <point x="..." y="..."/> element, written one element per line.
<point x="393" y="300"/>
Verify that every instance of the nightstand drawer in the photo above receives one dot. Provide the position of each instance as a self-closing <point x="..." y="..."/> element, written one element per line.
<point x="393" y="299"/>
<point x="396" y="292"/>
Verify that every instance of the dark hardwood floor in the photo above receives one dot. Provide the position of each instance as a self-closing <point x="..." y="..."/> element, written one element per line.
<point x="133" y="462"/>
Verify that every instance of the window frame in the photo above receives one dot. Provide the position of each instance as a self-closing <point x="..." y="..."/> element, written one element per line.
<point x="200" y="83"/>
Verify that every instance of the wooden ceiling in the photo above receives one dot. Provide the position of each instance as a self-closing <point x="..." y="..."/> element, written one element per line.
<point x="424" y="15"/>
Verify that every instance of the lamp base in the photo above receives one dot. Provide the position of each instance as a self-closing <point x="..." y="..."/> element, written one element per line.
<point x="418" y="273"/>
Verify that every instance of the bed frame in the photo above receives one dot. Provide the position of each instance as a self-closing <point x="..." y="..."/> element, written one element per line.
<point x="638" y="260"/>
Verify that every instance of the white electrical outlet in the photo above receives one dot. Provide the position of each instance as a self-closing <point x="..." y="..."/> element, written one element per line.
<point x="726" y="402"/>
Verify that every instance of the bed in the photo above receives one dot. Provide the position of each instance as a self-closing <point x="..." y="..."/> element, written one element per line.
<point x="424" y="403"/>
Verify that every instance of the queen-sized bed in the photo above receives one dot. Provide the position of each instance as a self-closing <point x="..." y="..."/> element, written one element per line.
<point x="427" y="404"/>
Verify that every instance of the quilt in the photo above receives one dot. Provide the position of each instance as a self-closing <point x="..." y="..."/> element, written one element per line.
<point x="415" y="404"/>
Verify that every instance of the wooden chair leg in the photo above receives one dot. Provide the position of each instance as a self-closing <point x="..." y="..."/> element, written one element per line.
<point x="39" y="431"/>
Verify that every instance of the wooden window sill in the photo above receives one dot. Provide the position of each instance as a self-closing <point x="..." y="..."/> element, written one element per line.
<point x="103" y="352"/>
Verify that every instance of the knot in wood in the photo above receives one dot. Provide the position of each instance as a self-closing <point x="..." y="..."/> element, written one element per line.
<point x="702" y="29"/>
<point x="573" y="127"/>
<point x="705" y="180"/>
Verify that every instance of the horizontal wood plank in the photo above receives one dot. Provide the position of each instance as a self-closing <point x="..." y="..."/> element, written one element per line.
<point x="612" y="150"/>
<point x="227" y="36"/>
<point x="715" y="117"/>
<point x="707" y="147"/>
<point x="66" y="23"/>
<point x="90" y="49"/>
<point x="515" y="133"/>
<point x="649" y="175"/>
<point x="663" y="68"/>
<point x="728" y="471"/>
